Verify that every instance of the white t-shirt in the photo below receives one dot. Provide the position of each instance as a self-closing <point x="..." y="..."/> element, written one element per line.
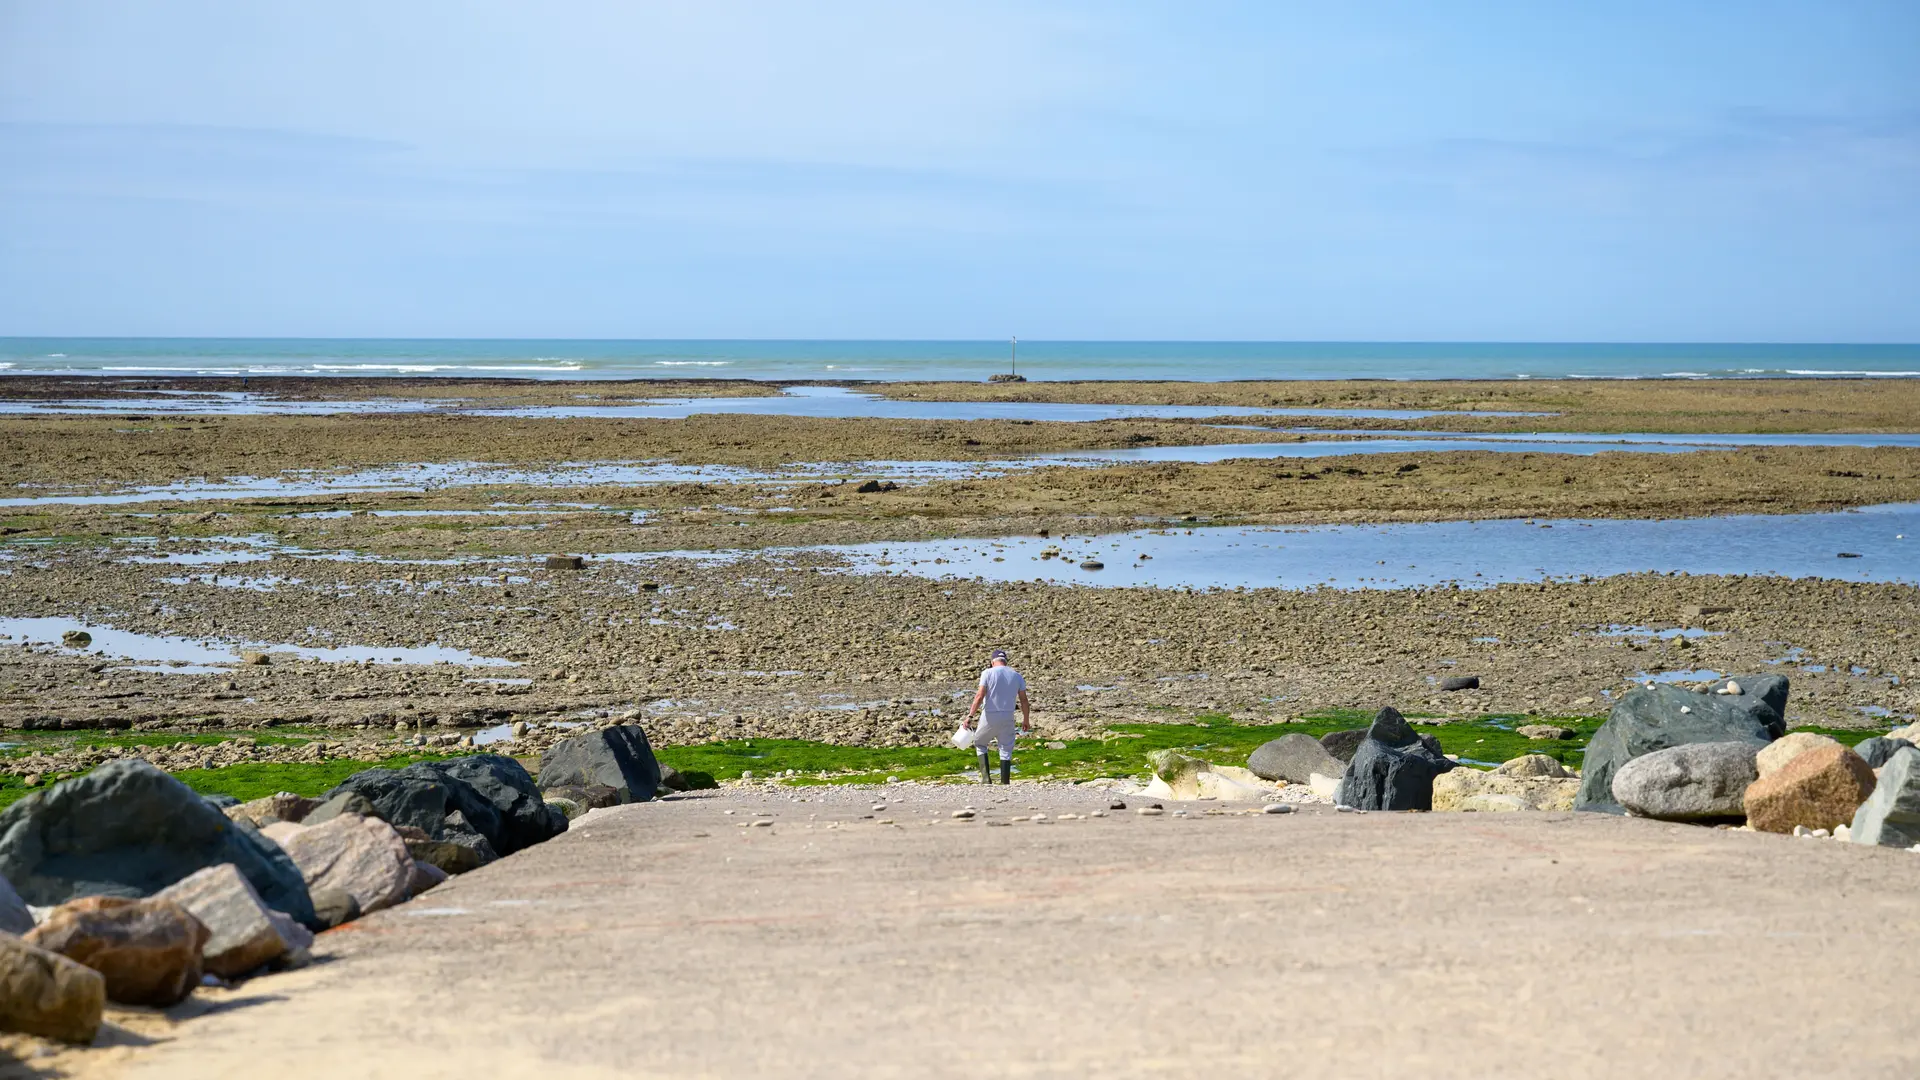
<point x="1003" y="686"/>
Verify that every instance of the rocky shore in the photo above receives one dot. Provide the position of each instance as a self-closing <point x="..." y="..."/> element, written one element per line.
<point x="773" y="645"/>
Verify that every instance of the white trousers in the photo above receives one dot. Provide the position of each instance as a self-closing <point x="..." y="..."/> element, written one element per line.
<point x="996" y="727"/>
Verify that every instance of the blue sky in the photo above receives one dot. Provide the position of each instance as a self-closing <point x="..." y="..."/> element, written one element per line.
<point x="1743" y="170"/>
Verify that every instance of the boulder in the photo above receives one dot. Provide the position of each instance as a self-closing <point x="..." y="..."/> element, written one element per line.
<point x="460" y="834"/>
<point x="1545" y="731"/>
<point x="1878" y="750"/>
<point x="1909" y="734"/>
<point x="1393" y="769"/>
<point x="243" y="933"/>
<point x="1184" y="778"/>
<point x="566" y="806"/>
<point x="14" y="916"/>
<point x="1891" y="815"/>
<point x="1645" y="721"/>
<point x="615" y="757"/>
<point x="566" y="562"/>
<point x="672" y="779"/>
<point x="486" y="802"/>
<point x="284" y="806"/>
<point x="1526" y="787"/>
<point x="347" y="802"/>
<point x="360" y="856"/>
<point x="450" y="858"/>
<point x="506" y="784"/>
<point x="587" y="797"/>
<point x="1693" y="782"/>
<point x="281" y="831"/>
<point x="1342" y="744"/>
<point x="425" y="876"/>
<point x="1293" y="759"/>
<point x="1534" y="765"/>
<point x="334" y="907"/>
<point x="1788" y="747"/>
<point x="43" y="993"/>
<point x="128" y="829"/>
<point x="1459" y="682"/>
<point x="147" y="950"/>
<point x="1820" y="788"/>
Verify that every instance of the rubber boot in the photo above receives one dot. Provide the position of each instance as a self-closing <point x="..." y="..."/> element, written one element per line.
<point x="1006" y="770"/>
<point x="986" y="776"/>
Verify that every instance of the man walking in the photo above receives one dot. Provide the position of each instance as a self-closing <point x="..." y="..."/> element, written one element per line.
<point x="1001" y="688"/>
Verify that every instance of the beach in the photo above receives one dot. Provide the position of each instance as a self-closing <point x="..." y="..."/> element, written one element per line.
<point x="778" y="561"/>
<point x="279" y="585"/>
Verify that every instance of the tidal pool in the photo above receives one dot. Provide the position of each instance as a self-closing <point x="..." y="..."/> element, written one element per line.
<point x="184" y="655"/>
<point x="1436" y="553"/>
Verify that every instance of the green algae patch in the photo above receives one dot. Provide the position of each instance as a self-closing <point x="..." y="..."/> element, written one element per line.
<point x="257" y="780"/>
<point x="1122" y="751"/>
<point x="249" y="780"/>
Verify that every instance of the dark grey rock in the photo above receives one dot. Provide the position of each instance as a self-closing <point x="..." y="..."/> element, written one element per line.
<point x="615" y="757"/>
<point x="525" y="818"/>
<point x="1460" y="682"/>
<point x="347" y="802"/>
<point x="221" y="801"/>
<point x="129" y="829"/>
<point x="1342" y="744"/>
<point x="487" y="802"/>
<point x="412" y="796"/>
<point x="14" y="916"/>
<point x="334" y="907"/>
<point x="458" y="831"/>
<point x="1648" y="720"/>
<point x="1393" y="769"/>
<point x="1891" y="815"/>
<point x="1691" y="782"/>
<point x="1879" y="750"/>
<point x="1294" y="758"/>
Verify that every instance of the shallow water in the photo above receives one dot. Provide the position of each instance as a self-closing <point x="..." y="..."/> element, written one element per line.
<point x="834" y="402"/>
<point x="828" y="402"/>
<point x="203" y="656"/>
<point x="1466" y="552"/>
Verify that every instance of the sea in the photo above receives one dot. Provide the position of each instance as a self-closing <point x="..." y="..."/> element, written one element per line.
<point x="1206" y="361"/>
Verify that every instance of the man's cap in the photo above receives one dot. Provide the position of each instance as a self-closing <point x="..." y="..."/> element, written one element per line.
<point x="998" y="654"/>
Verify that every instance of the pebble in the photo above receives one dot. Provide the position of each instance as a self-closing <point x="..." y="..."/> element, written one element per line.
<point x="1116" y="805"/>
<point x="1276" y="808"/>
<point x="879" y="806"/>
<point x="963" y="814"/>
<point x="1343" y="809"/>
<point x="763" y="822"/>
<point x="1149" y="811"/>
<point x="1098" y="813"/>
